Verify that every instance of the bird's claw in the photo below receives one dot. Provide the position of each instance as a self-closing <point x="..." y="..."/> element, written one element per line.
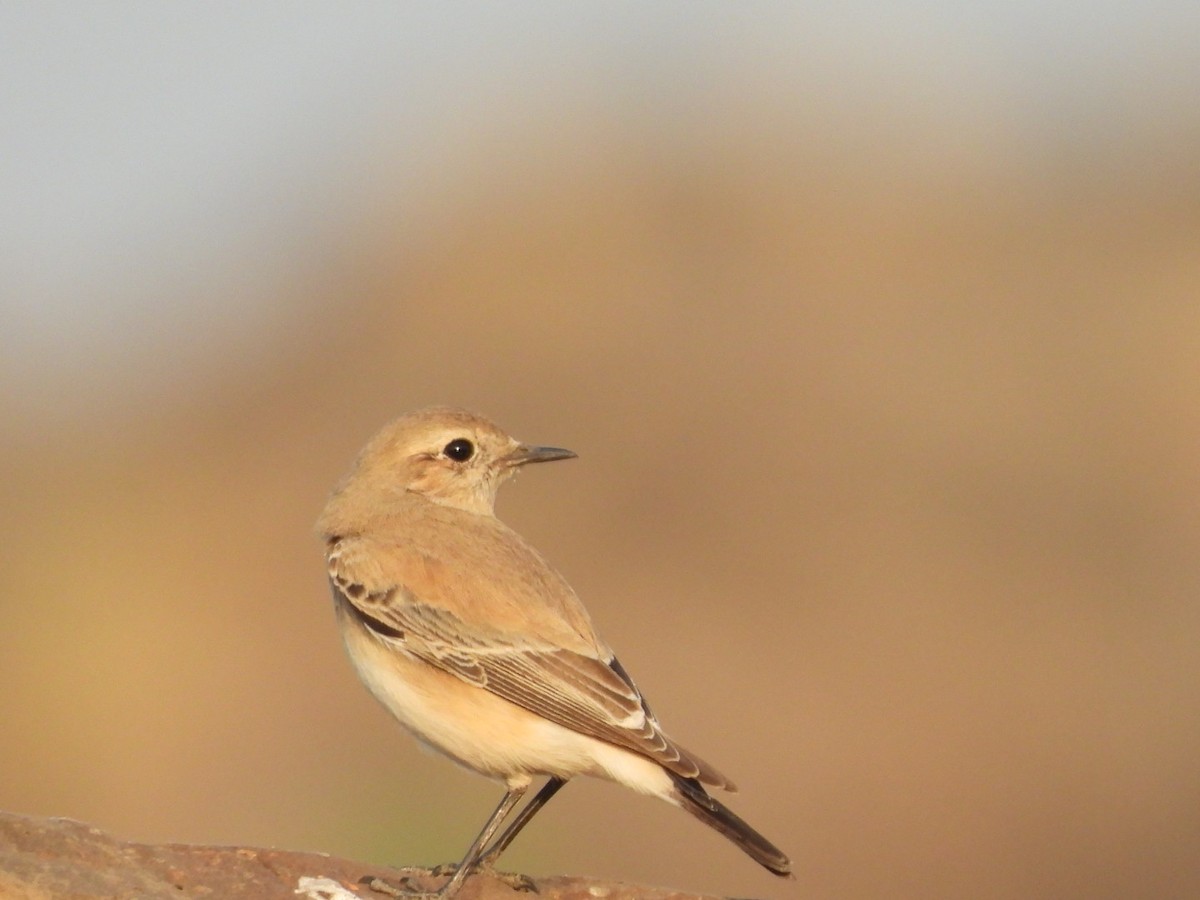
<point x="516" y="881"/>
<point x="405" y="889"/>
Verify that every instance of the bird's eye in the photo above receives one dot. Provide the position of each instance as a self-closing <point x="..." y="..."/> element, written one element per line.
<point x="459" y="450"/>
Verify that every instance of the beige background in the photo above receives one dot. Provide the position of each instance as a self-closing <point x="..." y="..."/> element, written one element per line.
<point x="887" y="495"/>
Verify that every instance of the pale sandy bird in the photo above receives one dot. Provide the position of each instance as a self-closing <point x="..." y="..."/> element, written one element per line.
<point x="478" y="646"/>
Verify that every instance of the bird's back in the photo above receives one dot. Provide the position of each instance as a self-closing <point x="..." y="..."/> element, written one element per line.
<point x="478" y="567"/>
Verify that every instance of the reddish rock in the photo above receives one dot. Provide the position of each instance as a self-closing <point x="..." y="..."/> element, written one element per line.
<point x="60" y="859"/>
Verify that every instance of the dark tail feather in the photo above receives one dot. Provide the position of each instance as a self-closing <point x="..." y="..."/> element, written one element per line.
<point x="692" y="797"/>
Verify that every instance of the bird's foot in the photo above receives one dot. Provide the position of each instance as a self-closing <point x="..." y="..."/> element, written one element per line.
<point x="516" y="881"/>
<point x="408" y="888"/>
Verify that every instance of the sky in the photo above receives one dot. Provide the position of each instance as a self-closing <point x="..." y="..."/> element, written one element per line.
<point x="164" y="166"/>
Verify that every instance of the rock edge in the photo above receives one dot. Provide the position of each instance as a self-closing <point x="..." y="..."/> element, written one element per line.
<point x="61" y="859"/>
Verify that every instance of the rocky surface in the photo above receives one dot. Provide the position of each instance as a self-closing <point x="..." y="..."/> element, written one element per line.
<point x="60" y="859"/>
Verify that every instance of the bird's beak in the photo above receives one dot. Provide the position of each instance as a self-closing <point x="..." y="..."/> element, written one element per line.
<point x="524" y="453"/>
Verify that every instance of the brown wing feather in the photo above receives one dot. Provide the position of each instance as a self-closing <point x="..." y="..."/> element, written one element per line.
<point x="588" y="695"/>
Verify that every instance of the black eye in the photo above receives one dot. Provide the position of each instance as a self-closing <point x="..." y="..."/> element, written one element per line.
<point x="459" y="450"/>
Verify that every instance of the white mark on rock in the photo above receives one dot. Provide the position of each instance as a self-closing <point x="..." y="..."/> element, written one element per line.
<point x="323" y="889"/>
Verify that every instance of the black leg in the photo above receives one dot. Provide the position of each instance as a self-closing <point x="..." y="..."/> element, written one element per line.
<point x="488" y="858"/>
<point x="450" y="888"/>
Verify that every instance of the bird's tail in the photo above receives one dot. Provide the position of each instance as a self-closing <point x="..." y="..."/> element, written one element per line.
<point x="690" y="794"/>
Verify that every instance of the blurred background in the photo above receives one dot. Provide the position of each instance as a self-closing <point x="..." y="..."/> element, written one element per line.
<point x="876" y="328"/>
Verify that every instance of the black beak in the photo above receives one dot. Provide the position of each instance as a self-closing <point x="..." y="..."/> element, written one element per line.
<point x="527" y="454"/>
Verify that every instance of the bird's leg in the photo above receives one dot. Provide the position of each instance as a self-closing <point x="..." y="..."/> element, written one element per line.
<point x="488" y="858"/>
<point x="450" y="888"/>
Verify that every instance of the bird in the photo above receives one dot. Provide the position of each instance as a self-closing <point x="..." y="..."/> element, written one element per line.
<point x="479" y="647"/>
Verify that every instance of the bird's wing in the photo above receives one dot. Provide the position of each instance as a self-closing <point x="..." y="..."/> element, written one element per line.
<point x="588" y="695"/>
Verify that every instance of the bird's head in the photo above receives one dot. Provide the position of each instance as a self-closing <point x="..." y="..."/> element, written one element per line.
<point x="448" y="456"/>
